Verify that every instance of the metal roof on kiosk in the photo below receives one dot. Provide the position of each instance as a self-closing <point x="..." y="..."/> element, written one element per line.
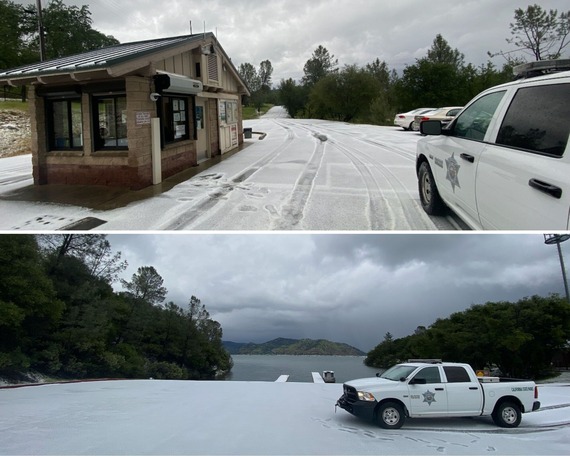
<point x="104" y="59"/>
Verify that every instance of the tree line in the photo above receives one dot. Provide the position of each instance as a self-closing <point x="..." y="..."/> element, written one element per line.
<point x="523" y="339"/>
<point x="374" y="93"/>
<point x="61" y="317"/>
<point x="67" y="30"/>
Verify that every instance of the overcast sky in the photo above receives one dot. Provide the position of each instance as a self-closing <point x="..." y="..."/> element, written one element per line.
<point x="286" y="32"/>
<point x="350" y="288"/>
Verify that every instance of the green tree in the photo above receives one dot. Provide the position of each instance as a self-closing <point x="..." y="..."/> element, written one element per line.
<point x="265" y="73"/>
<point x="249" y="74"/>
<point x="520" y="338"/>
<point x="146" y="286"/>
<point x="12" y="47"/>
<point x="258" y="82"/>
<point x="435" y="80"/>
<point x="80" y="342"/>
<point x="59" y="316"/>
<point x="382" y="108"/>
<point x="29" y="307"/>
<point x="93" y="249"/>
<point x="292" y="96"/>
<point x="537" y="33"/>
<point x="321" y="64"/>
<point x="442" y="53"/>
<point x="68" y="30"/>
<point x="344" y="96"/>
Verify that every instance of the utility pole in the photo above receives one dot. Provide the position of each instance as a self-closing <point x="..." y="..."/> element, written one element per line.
<point x="557" y="239"/>
<point x="41" y="31"/>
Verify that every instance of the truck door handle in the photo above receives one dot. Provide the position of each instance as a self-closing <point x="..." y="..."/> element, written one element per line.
<point x="545" y="187"/>
<point x="439" y="389"/>
<point x="473" y="388"/>
<point x="469" y="158"/>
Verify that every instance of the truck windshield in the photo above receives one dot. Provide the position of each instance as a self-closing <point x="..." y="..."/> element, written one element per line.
<point x="397" y="372"/>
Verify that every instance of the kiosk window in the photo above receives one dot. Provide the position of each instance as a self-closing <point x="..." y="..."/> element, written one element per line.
<point x="110" y="117"/>
<point x="176" y="118"/>
<point x="65" y="127"/>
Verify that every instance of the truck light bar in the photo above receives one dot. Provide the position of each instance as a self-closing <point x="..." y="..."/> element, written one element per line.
<point x="541" y="67"/>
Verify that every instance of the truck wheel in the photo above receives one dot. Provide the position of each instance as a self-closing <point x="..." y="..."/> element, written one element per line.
<point x="391" y="415"/>
<point x="429" y="195"/>
<point x="507" y="415"/>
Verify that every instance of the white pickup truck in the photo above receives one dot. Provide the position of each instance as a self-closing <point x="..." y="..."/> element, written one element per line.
<point x="437" y="389"/>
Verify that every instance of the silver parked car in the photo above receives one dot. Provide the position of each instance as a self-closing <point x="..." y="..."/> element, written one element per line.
<point x="444" y="115"/>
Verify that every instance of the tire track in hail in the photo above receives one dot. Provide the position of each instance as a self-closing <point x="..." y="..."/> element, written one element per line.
<point x="381" y="214"/>
<point x="212" y="199"/>
<point x="293" y="211"/>
<point x="448" y="222"/>
<point x="377" y="204"/>
<point x="395" y="150"/>
<point x="410" y="206"/>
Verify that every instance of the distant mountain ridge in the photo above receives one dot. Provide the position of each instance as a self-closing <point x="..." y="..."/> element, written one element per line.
<point x="282" y="346"/>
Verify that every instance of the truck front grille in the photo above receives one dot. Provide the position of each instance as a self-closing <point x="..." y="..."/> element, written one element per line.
<point x="350" y="394"/>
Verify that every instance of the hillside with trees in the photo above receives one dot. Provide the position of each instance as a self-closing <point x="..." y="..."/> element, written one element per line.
<point x="523" y="339"/>
<point x="282" y="346"/>
<point x="60" y="316"/>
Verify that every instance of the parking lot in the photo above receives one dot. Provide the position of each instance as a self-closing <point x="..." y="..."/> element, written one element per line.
<point x="303" y="175"/>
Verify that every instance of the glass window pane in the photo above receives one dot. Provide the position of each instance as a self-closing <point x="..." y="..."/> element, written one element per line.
<point x="121" y="120"/>
<point x="112" y="121"/>
<point x="176" y="118"/>
<point x="60" y="124"/>
<point x="430" y="374"/>
<point x="456" y="374"/>
<point x="106" y="108"/>
<point x="537" y="120"/>
<point x="474" y="121"/>
<point x="76" y="124"/>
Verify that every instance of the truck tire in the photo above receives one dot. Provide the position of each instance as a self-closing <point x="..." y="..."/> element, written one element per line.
<point x="390" y="415"/>
<point x="507" y="415"/>
<point x="429" y="195"/>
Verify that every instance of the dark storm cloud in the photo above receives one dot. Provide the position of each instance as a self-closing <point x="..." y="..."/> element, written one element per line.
<point x="287" y="31"/>
<point x="346" y="287"/>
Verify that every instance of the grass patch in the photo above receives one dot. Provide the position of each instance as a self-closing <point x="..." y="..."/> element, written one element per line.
<point x="250" y="112"/>
<point x="14" y="105"/>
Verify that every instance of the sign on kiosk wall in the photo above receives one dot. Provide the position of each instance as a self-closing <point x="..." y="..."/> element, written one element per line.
<point x="228" y="112"/>
<point x="199" y="117"/>
<point x="222" y="112"/>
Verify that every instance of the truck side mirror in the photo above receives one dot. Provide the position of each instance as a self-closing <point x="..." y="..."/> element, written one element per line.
<point x="431" y="127"/>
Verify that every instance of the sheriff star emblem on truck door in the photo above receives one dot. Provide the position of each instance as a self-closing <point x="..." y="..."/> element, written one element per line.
<point x="452" y="171"/>
<point x="429" y="397"/>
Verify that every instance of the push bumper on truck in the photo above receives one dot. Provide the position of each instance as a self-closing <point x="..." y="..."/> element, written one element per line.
<point x="349" y="401"/>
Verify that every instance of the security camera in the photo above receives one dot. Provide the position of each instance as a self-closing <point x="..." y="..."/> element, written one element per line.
<point x="154" y="96"/>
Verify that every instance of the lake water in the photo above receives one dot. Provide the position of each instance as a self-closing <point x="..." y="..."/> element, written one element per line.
<point x="268" y="368"/>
